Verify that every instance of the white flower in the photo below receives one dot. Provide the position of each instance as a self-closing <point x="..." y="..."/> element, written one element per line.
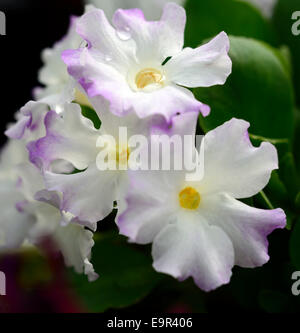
<point x="29" y="211"/>
<point x="89" y="194"/>
<point x="200" y="229"/>
<point x="126" y="64"/>
<point x="59" y="87"/>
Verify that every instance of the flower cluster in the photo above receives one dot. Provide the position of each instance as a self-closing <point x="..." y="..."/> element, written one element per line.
<point x="135" y="74"/>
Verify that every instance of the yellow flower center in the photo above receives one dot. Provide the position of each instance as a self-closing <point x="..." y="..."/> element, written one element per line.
<point x="122" y="154"/>
<point x="189" y="198"/>
<point x="147" y="77"/>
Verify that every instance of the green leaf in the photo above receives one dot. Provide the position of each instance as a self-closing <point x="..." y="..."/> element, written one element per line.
<point x="282" y="21"/>
<point x="296" y="143"/>
<point x="288" y="174"/>
<point x="278" y="195"/>
<point x="258" y="90"/>
<point x="205" y="19"/>
<point x="91" y="114"/>
<point x="126" y="275"/>
<point x="295" y="245"/>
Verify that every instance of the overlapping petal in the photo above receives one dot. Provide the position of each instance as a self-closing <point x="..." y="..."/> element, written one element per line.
<point x="89" y="195"/>
<point x="69" y="137"/>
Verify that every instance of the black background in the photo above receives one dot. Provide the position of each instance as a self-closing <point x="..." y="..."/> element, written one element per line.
<point x="31" y="26"/>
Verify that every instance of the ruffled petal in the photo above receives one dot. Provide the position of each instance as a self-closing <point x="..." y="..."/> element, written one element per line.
<point x="14" y="222"/>
<point x="30" y="122"/>
<point x="157" y="39"/>
<point x="89" y="195"/>
<point x="76" y="244"/>
<point x="205" y="66"/>
<point x="193" y="248"/>
<point x="104" y="43"/>
<point x="70" y="137"/>
<point x="246" y="226"/>
<point x="233" y="165"/>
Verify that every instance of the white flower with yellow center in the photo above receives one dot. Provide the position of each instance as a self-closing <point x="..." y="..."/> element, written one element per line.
<point x="200" y="229"/>
<point x="141" y="65"/>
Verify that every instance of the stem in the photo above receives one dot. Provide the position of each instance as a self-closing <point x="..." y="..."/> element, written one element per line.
<point x="274" y="141"/>
<point x="266" y="199"/>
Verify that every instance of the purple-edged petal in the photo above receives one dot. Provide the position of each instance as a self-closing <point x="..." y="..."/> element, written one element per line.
<point x="247" y="227"/>
<point x="30" y="122"/>
<point x="89" y="195"/>
<point x="205" y="66"/>
<point x="70" y="137"/>
<point x="105" y="81"/>
<point x="157" y="39"/>
<point x="14" y="222"/>
<point x="233" y="165"/>
<point x="193" y="248"/>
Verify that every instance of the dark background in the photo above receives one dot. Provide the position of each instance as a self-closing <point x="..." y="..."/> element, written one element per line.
<point x="31" y="26"/>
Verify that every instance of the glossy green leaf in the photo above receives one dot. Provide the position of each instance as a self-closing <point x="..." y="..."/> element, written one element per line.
<point x="288" y="174"/>
<point x="282" y="21"/>
<point x="91" y="114"/>
<point x="259" y="90"/>
<point x="207" y="18"/>
<point x="126" y="275"/>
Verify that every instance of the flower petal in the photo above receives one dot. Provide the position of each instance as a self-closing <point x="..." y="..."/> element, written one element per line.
<point x="144" y="212"/>
<point x="193" y="248"/>
<point x="30" y="123"/>
<point x="89" y="195"/>
<point x="233" y="165"/>
<point x="76" y="244"/>
<point x="70" y="137"/>
<point x="246" y="226"/>
<point x="204" y="66"/>
<point x="157" y="39"/>
<point x="103" y="40"/>
<point x="14" y="222"/>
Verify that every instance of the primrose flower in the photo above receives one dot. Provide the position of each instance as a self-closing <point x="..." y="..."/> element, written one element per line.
<point x="59" y="87"/>
<point x="29" y="211"/>
<point x="200" y="229"/>
<point x="141" y="65"/>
